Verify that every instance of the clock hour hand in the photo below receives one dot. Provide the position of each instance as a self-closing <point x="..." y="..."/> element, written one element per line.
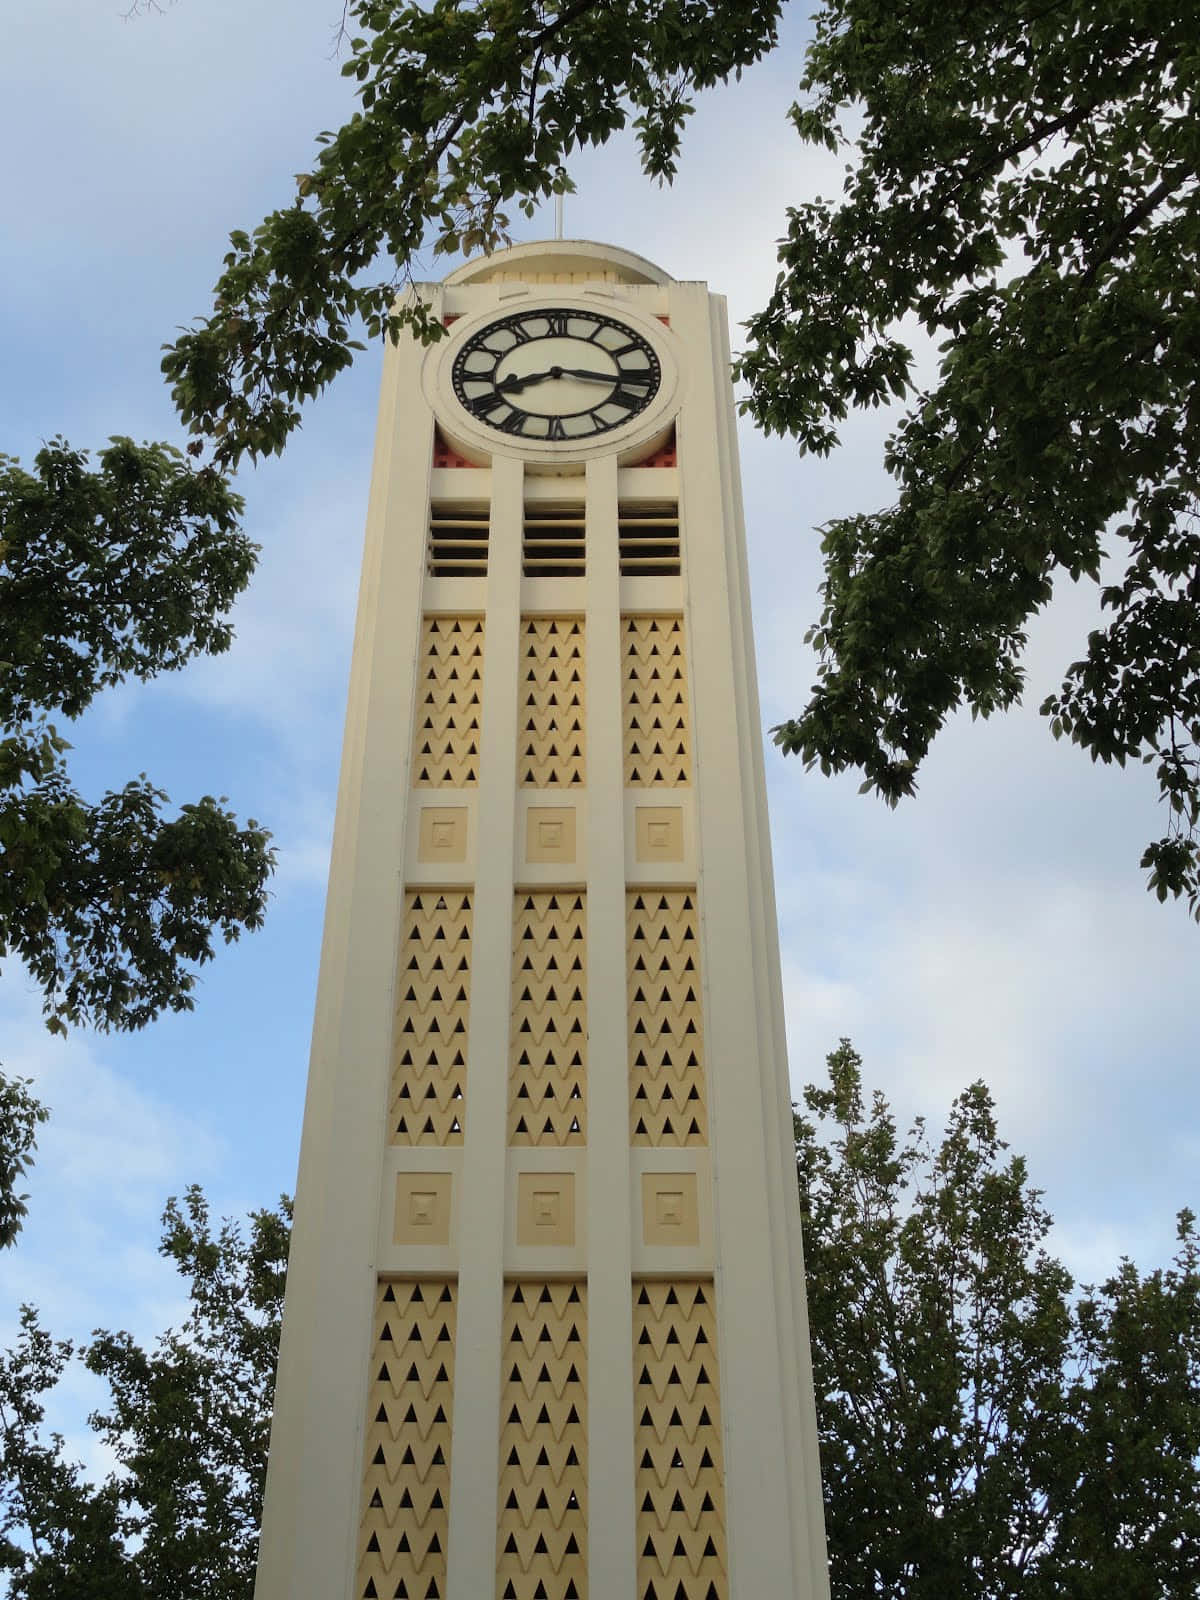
<point x="516" y="381"/>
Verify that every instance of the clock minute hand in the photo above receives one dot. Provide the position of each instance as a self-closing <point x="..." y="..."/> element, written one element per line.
<point x="601" y="377"/>
<point x="515" y="382"/>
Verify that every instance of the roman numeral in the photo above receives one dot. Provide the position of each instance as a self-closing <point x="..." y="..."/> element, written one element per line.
<point x="557" y="431"/>
<point x="499" y="414"/>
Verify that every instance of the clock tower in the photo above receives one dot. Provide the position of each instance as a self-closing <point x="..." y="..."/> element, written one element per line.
<point x="545" y="1333"/>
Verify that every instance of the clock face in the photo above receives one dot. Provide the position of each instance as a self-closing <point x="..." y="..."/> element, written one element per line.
<point x="556" y="374"/>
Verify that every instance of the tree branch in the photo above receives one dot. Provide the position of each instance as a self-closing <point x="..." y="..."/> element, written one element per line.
<point x="1130" y="222"/>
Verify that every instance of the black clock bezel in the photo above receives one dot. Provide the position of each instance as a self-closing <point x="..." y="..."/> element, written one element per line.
<point x="511" y="425"/>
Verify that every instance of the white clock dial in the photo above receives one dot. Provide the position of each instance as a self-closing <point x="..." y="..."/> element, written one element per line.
<point x="556" y="374"/>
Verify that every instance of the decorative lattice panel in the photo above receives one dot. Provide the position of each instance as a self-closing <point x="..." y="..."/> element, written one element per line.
<point x="406" y="1481"/>
<point x="429" y="1072"/>
<point x="449" y="690"/>
<point x="551" y="703"/>
<point x="666" y="1041"/>
<point x="679" y="1475"/>
<point x="548" y="1032"/>
<point x="541" y="1546"/>
<point x="657" y="735"/>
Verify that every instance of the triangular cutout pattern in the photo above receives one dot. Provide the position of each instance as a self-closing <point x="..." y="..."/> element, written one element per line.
<point x="667" y="1094"/>
<point x="541" y="1541"/>
<point x="448" y="705"/>
<point x="551" y="694"/>
<point x="547" y="1049"/>
<point x="677" y="1451"/>
<point x="429" y="1061"/>
<point x="655" y="693"/>
<point x="406" y="1480"/>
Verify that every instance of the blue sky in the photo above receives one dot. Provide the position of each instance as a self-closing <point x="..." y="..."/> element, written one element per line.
<point x="995" y="926"/>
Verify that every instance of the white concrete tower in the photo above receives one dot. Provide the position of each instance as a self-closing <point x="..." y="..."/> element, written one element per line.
<point x="545" y="1335"/>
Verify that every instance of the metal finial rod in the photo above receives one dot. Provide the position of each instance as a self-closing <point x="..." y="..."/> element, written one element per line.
<point x="558" y="216"/>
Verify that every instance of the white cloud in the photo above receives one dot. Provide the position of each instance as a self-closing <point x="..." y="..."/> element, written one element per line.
<point x="995" y="925"/>
<point x="288" y="664"/>
<point x="106" y="1160"/>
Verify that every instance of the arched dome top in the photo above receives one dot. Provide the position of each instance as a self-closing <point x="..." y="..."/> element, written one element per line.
<point x="560" y="261"/>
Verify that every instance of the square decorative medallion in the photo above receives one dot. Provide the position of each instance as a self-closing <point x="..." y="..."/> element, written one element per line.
<point x="422" y="1214"/>
<point x="545" y="1208"/>
<point x="659" y="831"/>
<point x="443" y="833"/>
<point x="550" y="833"/>
<point x="670" y="1214"/>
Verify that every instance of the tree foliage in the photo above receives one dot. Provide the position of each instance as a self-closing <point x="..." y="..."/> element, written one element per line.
<point x="466" y="110"/>
<point x="20" y="1114"/>
<point x="986" y="1431"/>
<point x="1025" y="189"/>
<point x="1022" y="187"/>
<point x="125" y="570"/>
<point x="187" y="1422"/>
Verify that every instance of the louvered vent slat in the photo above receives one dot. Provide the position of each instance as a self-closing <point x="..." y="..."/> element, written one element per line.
<point x="554" y="542"/>
<point x="649" y="540"/>
<point x="458" y="541"/>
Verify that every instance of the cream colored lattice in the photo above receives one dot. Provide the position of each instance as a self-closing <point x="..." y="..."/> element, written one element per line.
<point x="449" y="688"/>
<point x="680" y="1479"/>
<point x="547" y="1050"/>
<point x="551" y="703"/>
<point x="666" y="1040"/>
<point x="657" y="736"/>
<point x="541" y="1545"/>
<point x="429" y="1072"/>
<point x="406" y="1479"/>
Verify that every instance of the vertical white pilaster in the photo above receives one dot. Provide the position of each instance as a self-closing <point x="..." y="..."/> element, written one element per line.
<point x="314" y="1481"/>
<point x="807" y="1523"/>
<point x="760" y="1369"/>
<point x="612" y="1558"/>
<point x="471" y="1555"/>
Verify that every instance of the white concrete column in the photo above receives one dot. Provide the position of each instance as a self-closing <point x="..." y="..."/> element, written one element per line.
<point x="471" y="1554"/>
<point x="315" y="1474"/>
<point x="344" y="1235"/>
<point x="807" y="1526"/>
<point x="612" y="1557"/>
<point x="760" y="1377"/>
